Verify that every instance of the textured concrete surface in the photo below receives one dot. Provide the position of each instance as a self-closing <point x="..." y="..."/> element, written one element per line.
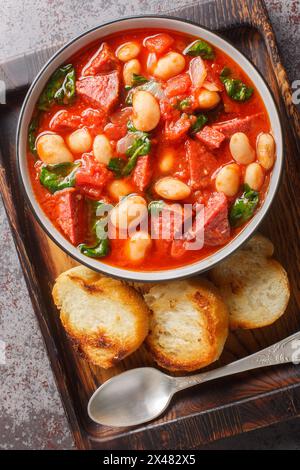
<point x="31" y="414"/>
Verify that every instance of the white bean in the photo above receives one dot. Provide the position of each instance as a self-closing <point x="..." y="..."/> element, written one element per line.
<point x="254" y="176"/>
<point x="172" y="188"/>
<point x="102" y="149"/>
<point x="51" y="149"/>
<point x="128" y="51"/>
<point x="131" y="67"/>
<point x="146" y="111"/>
<point x="169" y="65"/>
<point x="166" y="160"/>
<point x="208" y="99"/>
<point x="79" y="141"/>
<point x="241" y="149"/>
<point x="128" y="210"/>
<point x="265" y="150"/>
<point x="138" y="246"/>
<point x="119" y="188"/>
<point x="228" y="180"/>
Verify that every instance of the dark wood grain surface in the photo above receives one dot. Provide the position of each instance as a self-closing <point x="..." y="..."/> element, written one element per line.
<point x="214" y="410"/>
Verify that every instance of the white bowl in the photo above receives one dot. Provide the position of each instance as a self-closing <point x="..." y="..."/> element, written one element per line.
<point x="98" y="33"/>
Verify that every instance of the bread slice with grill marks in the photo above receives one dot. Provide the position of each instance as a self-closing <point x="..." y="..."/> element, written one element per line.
<point x="254" y="286"/>
<point x="106" y="319"/>
<point x="188" y="324"/>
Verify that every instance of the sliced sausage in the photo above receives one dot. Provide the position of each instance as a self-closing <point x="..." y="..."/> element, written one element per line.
<point x="236" y="125"/>
<point x="142" y="173"/>
<point x="71" y="217"/>
<point x="100" y="91"/>
<point x="210" y="137"/>
<point x="103" y="60"/>
<point x="202" y="164"/>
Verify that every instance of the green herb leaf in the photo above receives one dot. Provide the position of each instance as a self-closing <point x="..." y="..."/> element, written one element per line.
<point x="183" y="104"/>
<point x="59" y="176"/>
<point x="60" y="88"/>
<point x="200" y="48"/>
<point x="33" y="127"/>
<point x="138" y="79"/>
<point x="243" y="207"/>
<point x="155" y="207"/>
<point x="97" y="251"/>
<point x="199" y="123"/>
<point x="130" y="127"/>
<point x="141" y="146"/>
<point x="116" y="165"/>
<point x="235" y="88"/>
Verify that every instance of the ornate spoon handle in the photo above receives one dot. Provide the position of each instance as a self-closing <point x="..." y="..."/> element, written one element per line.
<point x="287" y="350"/>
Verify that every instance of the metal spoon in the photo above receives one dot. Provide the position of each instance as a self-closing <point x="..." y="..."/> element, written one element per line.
<point x="140" y="395"/>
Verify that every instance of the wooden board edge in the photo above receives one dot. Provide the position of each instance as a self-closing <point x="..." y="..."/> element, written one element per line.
<point x="80" y="438"/>
<point x="208" y="426"/>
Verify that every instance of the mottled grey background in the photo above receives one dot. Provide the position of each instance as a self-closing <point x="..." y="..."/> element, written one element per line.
<point x="31" y="413"/>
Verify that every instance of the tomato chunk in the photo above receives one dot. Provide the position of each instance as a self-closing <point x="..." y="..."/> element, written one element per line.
<point x="159" y="43"/>
<point x="210" y="137"/>
<point x="167" y="111"/>
<point x="100" y="91"/>
<point x="103" y="60"/>
<point x="142" y="172"/>
<point x="92" y="177"/>
<point x="92" y="118"/>
<point x="64" y="121"/>
<point x="178" y="85"/>
<point x="236" y="125"/>
<point x="202" y="164"/>
<point x="71" y="217"/>
<point x="175" y="130"/>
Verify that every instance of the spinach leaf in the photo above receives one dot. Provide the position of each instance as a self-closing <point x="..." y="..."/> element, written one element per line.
<point x="199" y="123"/>
<point x="116" y="165"/>
<point x="60" y="88"/>
<point x="138" y="79"/>
<point x="130" y="127"/>
<point x="59" y="176"/>
<point x="155" y="207"/>
<point x="33" y="127"/>
<point x="97" y="251"/>
<point x="200" y="48"/>
<point x="141" y="146"/>
<point x="235" y="88"/>
<point x="183" y="104"/>
<point x="243" y="207"/>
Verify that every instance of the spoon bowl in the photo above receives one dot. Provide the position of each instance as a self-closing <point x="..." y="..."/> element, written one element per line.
<point x="137" y="397"/>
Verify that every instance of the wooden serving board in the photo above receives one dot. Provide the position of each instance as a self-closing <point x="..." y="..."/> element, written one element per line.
<point x="213" y="410"/>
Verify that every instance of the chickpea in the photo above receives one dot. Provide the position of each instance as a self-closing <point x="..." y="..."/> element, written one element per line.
<point x="254" y="176"/>
<point x="131" y="208"/>
<point x="146" y="111"/>
<point x="241" y="149"/>
<point x="172" y="188"/>
<point x="228" y="180"/>
<point x="169" y="65"/>
<point x="131" y="67"/>
<point x="265" y="150"/>
<point x="138" y="246"/>
<point x="119" y="188"/>
<point x="102" y="149"/>
<point x="51" y="149"/>
<point x="166" y="160"/>
<point x="79" y="141"/>
<point x="128" y="51"/>
<point x="208" y="99"/>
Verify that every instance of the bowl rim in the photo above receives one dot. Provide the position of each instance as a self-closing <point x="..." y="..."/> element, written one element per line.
<point x="180" y="272"/>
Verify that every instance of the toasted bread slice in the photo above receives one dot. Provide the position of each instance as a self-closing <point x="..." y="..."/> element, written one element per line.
<point x="188" y="324"/>
<point x="105" y="318"/>
<point x="254" y="286"/>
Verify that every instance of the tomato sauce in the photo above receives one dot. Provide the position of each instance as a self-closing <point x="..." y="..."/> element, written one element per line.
<point x="112" y="124"/>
